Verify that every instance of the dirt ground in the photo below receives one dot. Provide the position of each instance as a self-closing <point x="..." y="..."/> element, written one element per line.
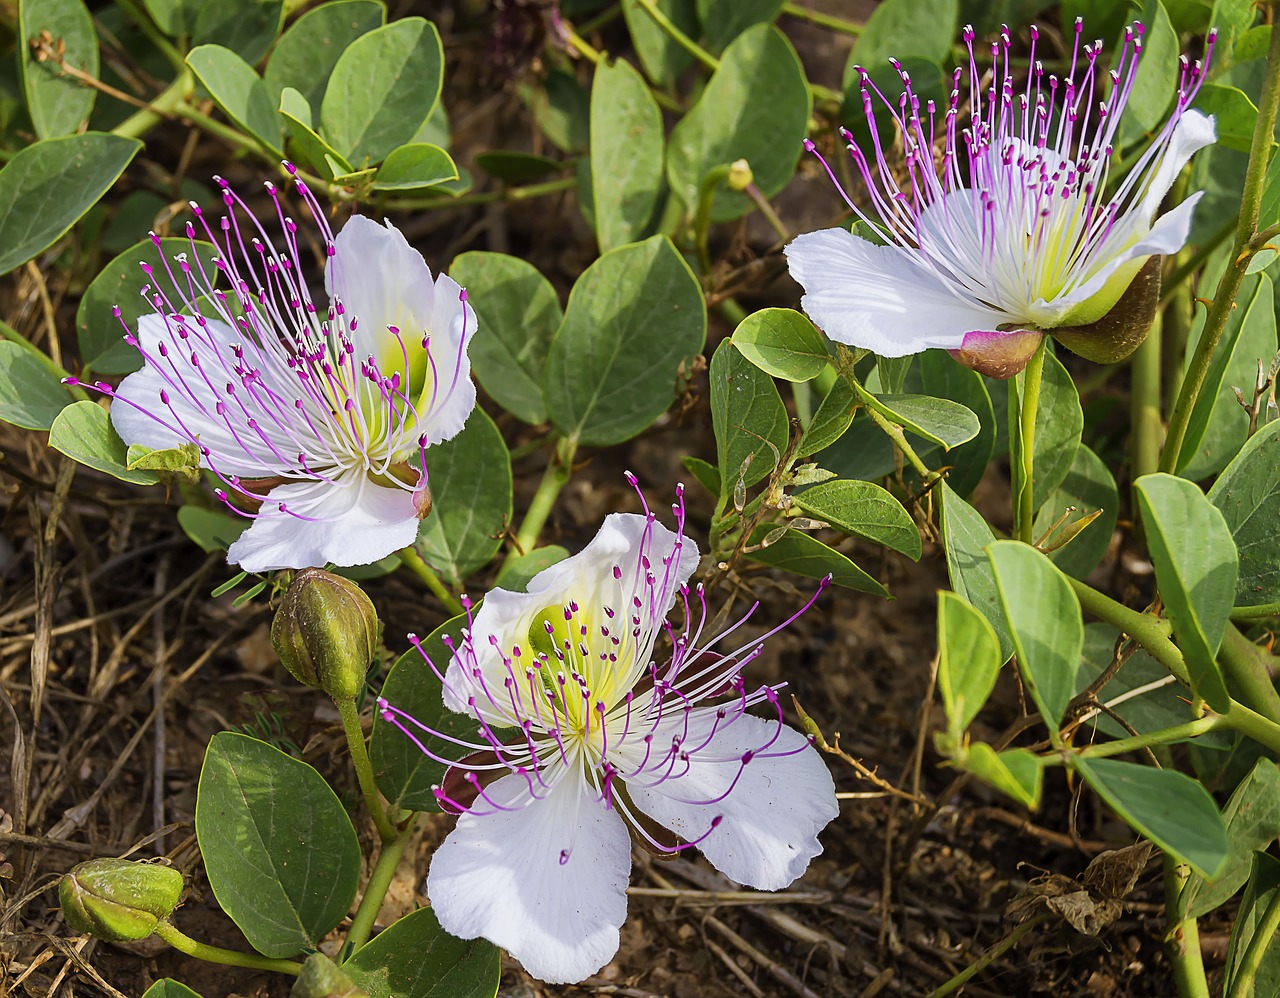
<point x="117" y="666"/>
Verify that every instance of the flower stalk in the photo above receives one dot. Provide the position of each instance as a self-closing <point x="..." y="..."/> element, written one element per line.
<point x="375" y="891"/>
<point x="415" y="563"/>
<point x="228" y="957"/>
<point x="354" y="732"/>
<point x="1029" y="404"/>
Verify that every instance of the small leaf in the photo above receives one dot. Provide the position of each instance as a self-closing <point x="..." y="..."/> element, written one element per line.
<point x="795" y="551"/>
<point x="169" y="988"/>
<point x="968" y="661"/>
<point x="708" y="475"/>
<point x="415" y="958"/>
<point x="966" y="536"/>
<point x="384" y="86"/>
<point x="782" y="343"/>
<point x="239" y="91"/>
<point x="414" y="166"/>
<point x="1044" y="621"/>
<point x="946" y="423"/>
<point x="863" y="509"/>
<point x="608" y="376"/>
<point x="1015" y="772"/>
<point x="279" y="849"/>
<point x="518" y="314"/>
<point x="562" y="109"/>
<point x="31" y="396"/>
<point x="1248" y="494"/>
<point x="306" y="54"/>
<point x="626" y="154"/>
<point x="47" y="186"/>
<point x="517" y="167"/>
<point x="662" y="57"/>
<point x="1059" y="423"/>
<point x="834" y="416"/>
<point x="84" y="433"/>
<point x="1169" y="808"/>
<point x="1196" y="565"/>
<point x="470" y="482"/>
<point x="748" y="416"/>
<point x="324" y="159"/>
<point x="58" y="103"/>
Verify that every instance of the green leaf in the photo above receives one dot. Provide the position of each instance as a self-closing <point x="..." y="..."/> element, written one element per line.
<point x="898" y="29"/>
<point x="1059" y="423"/>
<point x="470" y="482"/>
<point x="1044" y="621"/>
<point x="562" y="109"/>
<point x="246" y="27"/>
<point x="1231" y="18"/>
<point x="240" y="92"/>
<point x="725" y="20"/>
<point x="209" y="529"/>
<point x="609" y="374"/>
<point x="706" y="474"/>
<point x="626" y="154"/>
<point x="84" y="433"/>
<point x="414" y="166"/>
<point x="829" y="423"/>
<point x="282" y="857"/>
<point x="863" y="509"/>
<point x="1196" y="565"/>
<point x="936" y="373"/>
<point x="795" y="551"/>
<point x="514" y="576"/>
<point x="47" y="186"/>
<point x="1252" y="819"/>
<point x="31" y="395"/>
<point x="1219" y="426"/>
<point x="518" y="313"/>
<point x="1233" y="112"/>
<point x="1089" y="487"/>
<point x="662" y="57"/>
<point x="173" y="17"/>
<point x="324" y="159"/>
<point x="1248" y="495"/>
<point x="57" y="103"/>
<point x="1161" y="706"/>
<point x="966" y="536"/>
<point x="734" y="120"/>
<point x="169" y="988"/>
<point x="415" y="958"/>
<point x="968" y="661"/>
<point x="404" y="774"/>
<point x="783" y="343"/>
<point x="1169" y="808"/>
<point x="120" y="282"/>
<point x="384" y="86"/>
<point x="1018" y="773"/>
<point x="306" y="54"/>
<point x="948" y="424"/>
<point x="1264" y="882"/>
<point x="1156" y="81"/>
<point x="516" y="167"/>
<point x="748" y="416"/>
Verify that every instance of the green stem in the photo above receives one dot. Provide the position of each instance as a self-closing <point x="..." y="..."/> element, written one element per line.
<point x="1182" y="942"/>
<point x="216" y="954"/>
<point x="1242" y="982"/>
<point x="1251" y="614"/>
<point x="165" y="105"/>
<point x="1165" y="736"/>
<point x="702" y="219"/>
<point x="154" y="35"/>
<point x="1146" y="629"/>
<point x="1224" y="297"/>
<point x="555" y="478"/>
<point x="1029" y="403"/>
<point x="376" y="889"/>
<point x="580" y="44"/>
<point x="1240" y="661"/>
<point x="411" y="560"/>
<point x="350" y="715"/>
<point x="678" y="36"/>
<point x="844" y="364"/>
<point x="990" y="956"/>
<point x="828" y="21"/>
<point x="526" y="193"/>
<point x="221" y="131"/>
<point x="1144" y="403"/>
<point x="766" y="209"/>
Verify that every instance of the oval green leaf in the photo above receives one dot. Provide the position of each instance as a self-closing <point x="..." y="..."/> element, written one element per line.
<point x="795" y="551"/>
<point x="84" y="433"/>
<point x="240" y="92"/>
<point x="626" y="154"/>
<point x="1089" y="487"/>
<point x="783" y="343"/>
<point x="306" y="54"/>
<point x="863" y="509"/>
<point x="748" y="417"/>
<point x="968" y="661"/>
<point x="415" y="958"/>
<point x="966" y="536"/>
<point x="31" y="395"/>
<point x="413" y="167"/>
<point x="57" y="102"/>
<point x="1248" y="495"/>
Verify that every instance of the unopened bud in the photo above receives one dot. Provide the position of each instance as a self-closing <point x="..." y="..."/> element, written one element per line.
<point x="998" y="355"/>
<point x="326" y="633"/>
<point x="740" y="175"/>
<point x="1122" y="330"/>
<point x="118" y="899"/>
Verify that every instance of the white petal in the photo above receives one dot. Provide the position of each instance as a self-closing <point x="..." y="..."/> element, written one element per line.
<point x="451" y="395"/>
<point x="874" y="296"/>
<point x="140" y="417"/>
<point x="770" y="818"/>
<point x="586" y="578"/>
<point x="352" y="522"/>
<point x="1192" y="133"/>
<point x="504" y="877"/>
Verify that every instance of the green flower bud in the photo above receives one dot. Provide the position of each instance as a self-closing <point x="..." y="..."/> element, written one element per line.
<point x="1123" y="328"/>
<point x="740" y="175"/>
<point x="326" y="633"/>
<point x="118" y="899"/>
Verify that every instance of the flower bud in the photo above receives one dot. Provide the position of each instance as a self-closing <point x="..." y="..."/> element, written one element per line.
<point x="740" y="175"/>
<point x="998" y="355"/>
<point x="118" y="899"/>
<point x="326" y="633"/>
<point x="1122" y="330"/>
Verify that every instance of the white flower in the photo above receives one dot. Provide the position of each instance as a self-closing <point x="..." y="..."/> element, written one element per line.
<point x="1009" y="227"/>
<point x="316" y="418"/>
<point x="586" y="738"/>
